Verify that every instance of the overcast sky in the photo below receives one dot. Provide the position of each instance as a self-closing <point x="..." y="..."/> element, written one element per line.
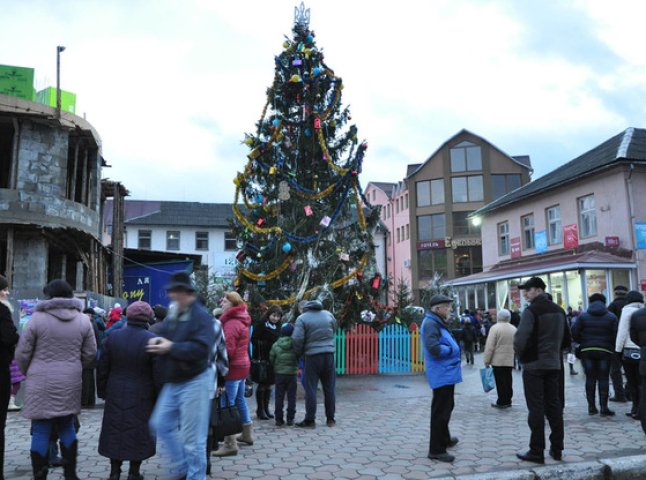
<point x="172" y="85"/>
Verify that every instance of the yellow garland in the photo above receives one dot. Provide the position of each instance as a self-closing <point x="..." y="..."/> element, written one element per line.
<point x="362" y="218"/>
<point x="246" y="223"/>
<point x="283" y="266"/>
<point x="323" y="145"/>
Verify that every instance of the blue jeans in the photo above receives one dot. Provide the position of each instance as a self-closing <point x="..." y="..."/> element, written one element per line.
<point x="181" y="422"/>
<point x="41" y="432"/>
<point x="235" y="392"/>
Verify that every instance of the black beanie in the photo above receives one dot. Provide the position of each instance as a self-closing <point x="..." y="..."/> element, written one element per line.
<point x="634" y="297"/>
<point x="4" y="283"/>
<point x="58" y="289"/>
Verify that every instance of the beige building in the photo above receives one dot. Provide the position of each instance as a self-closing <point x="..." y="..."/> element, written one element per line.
<point x="463" y="175"/>
<point x="581" y="228"/>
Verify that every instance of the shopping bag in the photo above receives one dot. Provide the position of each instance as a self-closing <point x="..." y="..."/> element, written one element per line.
<point x="225" y="420"/>
<point x="488" y="382"/>
<point x="571" y="358"/>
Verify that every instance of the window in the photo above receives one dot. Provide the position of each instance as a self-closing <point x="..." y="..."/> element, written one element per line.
<point x="406" y="202"/>
<point x="430" y="262"/>
<point x="587" y="217"/>
<point x="437" y="191"/>
<point x="466" y="156"/>
<point x="145" y="239"/>
<point x="555" y="229"/>
<point x="467" y="260"/>
<point x="467" y="189"/>
<point x="397" y="205"/>
<point x="172" y="240"/>
<point x="423" y="193"/>
<point x="388" y="211"/>
<point x="503" y="184"/>
<point x="431" y="227"/>
<point x="230" y="241"/>
<point x="201" y="240"/>
<point x="503" y="238"/>
<point x="398" y="235"/>
<point x="374" y="195"/>
<point x="407" y="231"/>
<point x="527" y="223"/>
<point x="463" y="226"/>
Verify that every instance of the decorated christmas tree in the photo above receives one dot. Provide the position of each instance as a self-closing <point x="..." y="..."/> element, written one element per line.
<point x="303" y="226"/>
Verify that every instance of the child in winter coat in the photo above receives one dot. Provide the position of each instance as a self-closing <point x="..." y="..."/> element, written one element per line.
<point x="285" y="363"/>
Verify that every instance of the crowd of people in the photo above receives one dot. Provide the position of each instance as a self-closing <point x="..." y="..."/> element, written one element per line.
<point x="606" y="338"/>
<point x="161" y="373"/>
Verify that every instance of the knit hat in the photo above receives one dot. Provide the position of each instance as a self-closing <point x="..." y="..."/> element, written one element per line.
<point x="287" y="330"/>
<point x="620" y="290"/>
<point x="140" y="311"/>
<point x="634" y="297"/>
<point x="58" y="289"/>
<point x="4" y="283"/>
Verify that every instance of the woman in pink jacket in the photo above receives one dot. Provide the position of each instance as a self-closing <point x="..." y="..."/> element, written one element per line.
<point x="236" y="324"/>
<point x="56" y="345"/>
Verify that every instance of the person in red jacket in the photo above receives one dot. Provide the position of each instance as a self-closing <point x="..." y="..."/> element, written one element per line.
<point x="236" y="324"/>
<point x="114" y="316"/>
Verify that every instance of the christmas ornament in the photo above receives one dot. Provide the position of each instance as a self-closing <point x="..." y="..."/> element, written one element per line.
<point x="275" y="122"/>
<point x="272" y="170"/>
<point x="325" y="221"/>
<point x="248" y="140"/>
<point x="307" y="132"/>
<point x="283" y="191"/>
<point x="309" y="38"/>
<point x="316" y="71"/>
<point x="287" y="247"/>
<point x="344" y="257"/>
<point x="285" y="44"/>
<point x="297" y="62"/>
<point x="241" y="255"/>
<point x="317" y="123"/>
<point x="308" y="210"/>
<point x="376" y="282"/>
<point x="296" y="78"/>
<point x="260" y="222"/>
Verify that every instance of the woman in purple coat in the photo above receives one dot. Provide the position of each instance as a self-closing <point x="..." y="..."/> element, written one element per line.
<point x="126" y="380"/>
<point x="56" y="345"/>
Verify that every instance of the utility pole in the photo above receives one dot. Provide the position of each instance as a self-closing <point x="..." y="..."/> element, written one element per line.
<point x="59" y="50"/>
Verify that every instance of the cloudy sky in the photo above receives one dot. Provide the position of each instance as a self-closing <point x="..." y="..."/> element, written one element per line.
<point x="172" y="85"/>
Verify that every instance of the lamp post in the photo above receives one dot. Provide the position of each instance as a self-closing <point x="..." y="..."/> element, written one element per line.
<point x="59" y="49"/>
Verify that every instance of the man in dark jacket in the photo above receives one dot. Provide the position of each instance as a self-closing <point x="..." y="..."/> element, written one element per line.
<point x="185" y="347"/>
<point x="541" y="337"/>
<point x="616" y="306"/>
<point x="313" y="338"/>
<point x="638" y="335"/>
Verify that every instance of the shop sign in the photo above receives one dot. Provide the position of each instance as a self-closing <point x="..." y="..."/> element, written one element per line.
<point x="514" y="244"/>
<point x="540" y="241"/>
<point x="612" y="242"/>
<point x="640" y="234"/>
<point x="462" y="242"/>
<point x="642" y="284"/>
<point x="571" y="236"/>
<point x="431" y="245"/>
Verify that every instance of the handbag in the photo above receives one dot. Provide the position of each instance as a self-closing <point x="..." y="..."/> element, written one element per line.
<point x="488" y="382"/>
<point x="262" y="372"/>
<point x="226" y="420"/>
<point x="632" y="354"/>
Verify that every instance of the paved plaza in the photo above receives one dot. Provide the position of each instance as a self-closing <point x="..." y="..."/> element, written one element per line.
<point x="382" y="433"/>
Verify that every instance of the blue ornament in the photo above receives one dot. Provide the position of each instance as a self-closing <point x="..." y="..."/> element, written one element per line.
<point x="259" y="199"/>
<point x="316" y="71"/>
<point x="287" y="247"/>
<point x="276" y="122"/>
<point x="308" y="132"/>
<point x="310" y="39"/>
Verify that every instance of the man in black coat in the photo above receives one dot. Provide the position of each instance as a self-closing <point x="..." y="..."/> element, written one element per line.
<point x="638" y="335"/>
<point x="616" y="306"/>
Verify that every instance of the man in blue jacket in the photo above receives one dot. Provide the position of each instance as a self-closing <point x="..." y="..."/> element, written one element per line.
<point x="185" y="346"/>
<point x="443" y="371"/>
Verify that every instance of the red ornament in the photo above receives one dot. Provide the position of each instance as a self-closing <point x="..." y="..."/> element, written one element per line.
<point x="241" y="256"/>
<point x="359" y="274"/>
<point x="376" y="281"/>
<point x="260" y="222"/>
<point x="317" y="123"/>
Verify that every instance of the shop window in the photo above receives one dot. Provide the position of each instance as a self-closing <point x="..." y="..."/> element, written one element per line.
<point x="491" y="295"/>
<point x="467" y="260"/>
<point x="557" y="287"/>
<point x="575" y="297"/>
<point x="466" y="156"/>
<point x="529" y="230"/>
<point x="595" y="282"/>
<point x="620" y="277"/>
<point x="587" y="217"/>
<point x="172" y="240"/>
<point x="201" y="240"/>
<point x="431" y="227"/>
<point x="431" y="262"/>
<point x="555" y="228"/>
<point x="503" y="238"/>
<point x="467" y="189"/>
<point x="144" y="240"/>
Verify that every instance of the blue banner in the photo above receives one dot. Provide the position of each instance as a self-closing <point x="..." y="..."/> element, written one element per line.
<point x="640" y="234"/>
<point x="148" y="282"/>
<point x="540" y="239"/>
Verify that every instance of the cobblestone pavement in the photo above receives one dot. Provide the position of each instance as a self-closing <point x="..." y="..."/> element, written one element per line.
<point x="382" y="433"/>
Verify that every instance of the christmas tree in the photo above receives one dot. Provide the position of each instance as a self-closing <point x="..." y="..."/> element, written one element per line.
<point x="302" y="223"/>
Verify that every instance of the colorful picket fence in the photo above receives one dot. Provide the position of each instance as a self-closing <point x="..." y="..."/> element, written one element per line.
<point x="363" y="351"/>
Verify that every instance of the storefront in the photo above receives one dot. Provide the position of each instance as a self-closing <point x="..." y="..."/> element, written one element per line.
<point x="570" y="280"/>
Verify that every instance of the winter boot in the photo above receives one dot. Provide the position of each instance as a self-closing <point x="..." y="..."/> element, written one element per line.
<point x="592" y="407"/>
<point x="39" y="465"/>
<point x="133" y="472"/>
<point x="12" y="405"/>
<point x="247" y="434"/>
<point x="603" y="402"/>
<point x="69" y="460"/>
<point x="266" y="400"/>
<point x="229" y="448"/>
<point x="115" y="469"/>
<point x="260" y="402"/>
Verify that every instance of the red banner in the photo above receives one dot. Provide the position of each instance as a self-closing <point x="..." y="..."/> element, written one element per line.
<point x="571" y="236"/>
<point x="515" y="247"/>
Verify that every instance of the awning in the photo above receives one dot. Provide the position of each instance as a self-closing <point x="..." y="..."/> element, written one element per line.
<point x="587" y="260"/>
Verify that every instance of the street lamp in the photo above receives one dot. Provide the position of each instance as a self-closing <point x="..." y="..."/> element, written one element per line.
<point x="476" y="221"/>
<point x="59" y="49"/>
